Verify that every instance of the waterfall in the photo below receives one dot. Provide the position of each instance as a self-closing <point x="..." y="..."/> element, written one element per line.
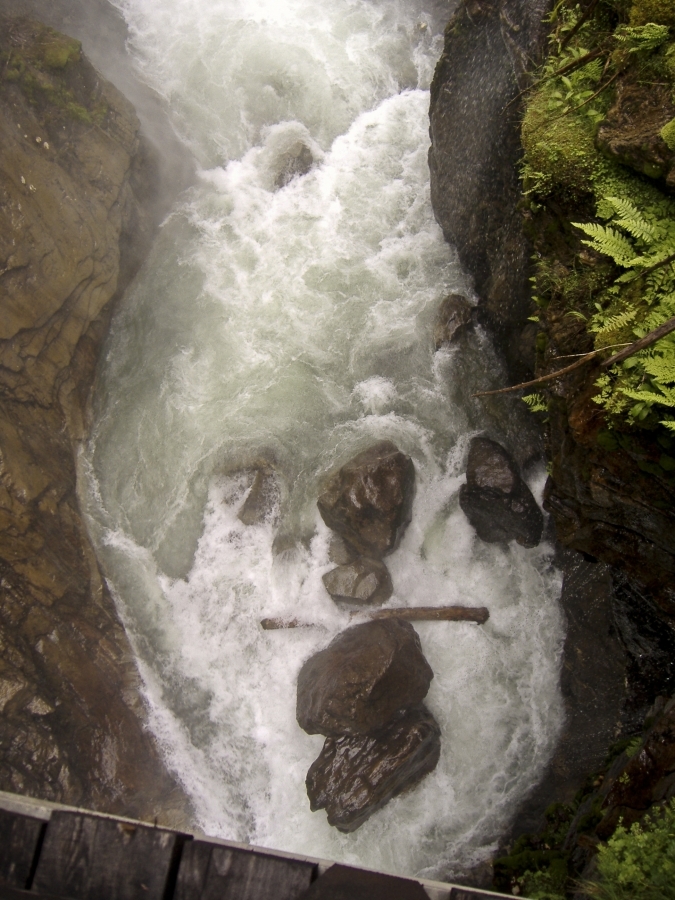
<point x="285" y="314"/>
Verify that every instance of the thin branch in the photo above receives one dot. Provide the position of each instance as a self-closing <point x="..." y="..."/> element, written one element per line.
<point x="563" y="70"/>
<point x="651" y="269"/>
<point x="644" y="342"/>
<point x="631" y="349"/>
<point x="582" y="21"/>
<point x="479" y="614"/>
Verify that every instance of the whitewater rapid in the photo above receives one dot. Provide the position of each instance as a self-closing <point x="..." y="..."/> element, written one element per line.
<point x="292" y="322"/>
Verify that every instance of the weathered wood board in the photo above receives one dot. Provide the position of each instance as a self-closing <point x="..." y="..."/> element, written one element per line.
<point x="345" y="883"/>
<point x="19" y="842"/>
<point x="213" y="872"/>
<point x="85" y="857"/>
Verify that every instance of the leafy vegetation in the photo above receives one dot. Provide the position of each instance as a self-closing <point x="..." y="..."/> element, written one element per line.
<point x="623" y="285"/>
<point x="639" y="863"/>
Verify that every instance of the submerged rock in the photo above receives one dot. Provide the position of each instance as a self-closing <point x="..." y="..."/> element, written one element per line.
<point x="262" y="499"/>
<point x="368" y="502"/>
<point x="454" y="315"/>
<point x="298" y="161"/>
<point x="362" y="581"/>
<point x="359" y="682"/>
<point x="355" y="776"/>
<point x="496" y="500"/>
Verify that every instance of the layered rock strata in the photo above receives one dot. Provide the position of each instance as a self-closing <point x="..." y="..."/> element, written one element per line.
<point x="73" y="173"/>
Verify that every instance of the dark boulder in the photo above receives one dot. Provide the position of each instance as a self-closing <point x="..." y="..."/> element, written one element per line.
<point x="368" y="502"/>
<point x="362" y="581"/>
<point x="355" y="776"/>
<point x="475" y="115"/>
<point x="496" y="500"/>
<point x="454" y="315"/>
<point x="358" y="683"/>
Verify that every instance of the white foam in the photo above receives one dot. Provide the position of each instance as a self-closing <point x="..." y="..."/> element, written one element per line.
<point x="295" y="325"/>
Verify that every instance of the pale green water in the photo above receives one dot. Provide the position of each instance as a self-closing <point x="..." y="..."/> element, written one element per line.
<point x="296" y="324"/>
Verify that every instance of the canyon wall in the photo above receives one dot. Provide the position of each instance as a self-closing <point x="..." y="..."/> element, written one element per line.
<point x="75" y="181"/>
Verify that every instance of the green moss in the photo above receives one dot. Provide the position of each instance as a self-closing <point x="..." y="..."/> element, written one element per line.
<point x="58" y="51"/>
<point x="662" y="12"/>
<point x="668" y="134"/>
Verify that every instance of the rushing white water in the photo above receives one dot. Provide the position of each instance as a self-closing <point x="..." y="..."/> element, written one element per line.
<point x="294" y="324"/>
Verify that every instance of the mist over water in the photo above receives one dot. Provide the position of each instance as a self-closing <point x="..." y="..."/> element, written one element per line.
<point x="291" y="321"/>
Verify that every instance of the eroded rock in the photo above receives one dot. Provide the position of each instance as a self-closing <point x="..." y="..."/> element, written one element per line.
<point x="358" y="683"/>
<point x="631" y="132"/>
<point x="73" y="231"/>
<point x="362" y="581"/>
<point x="368" y="502"/>
<point x="263" y="499"/>
<point x="496" y="500"/>
<point x="454" y="315"/>
<point x="355" y="776"/>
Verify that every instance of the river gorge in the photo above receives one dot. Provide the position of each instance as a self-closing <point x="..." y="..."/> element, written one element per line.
<point x="283" y="321"/>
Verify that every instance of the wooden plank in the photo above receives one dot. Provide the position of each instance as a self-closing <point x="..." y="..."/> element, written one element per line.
<point x="213" y="872"/>
<point x="84" y="857"/>
<point x="346" y="883"/>
<point x="20" y="838"/>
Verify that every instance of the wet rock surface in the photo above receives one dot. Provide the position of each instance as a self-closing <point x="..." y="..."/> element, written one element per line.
<point x="368" y="673"/>
<point x="262" y="499"/>
<point x="475" y="148"/>
<point x="72" y="233"/>
<point x="355" y="776"/>
<point x="496" y="500"/>
<point x="364" y="581"/>
<point x="368" y="502"/>
<point x="454" y="316"/>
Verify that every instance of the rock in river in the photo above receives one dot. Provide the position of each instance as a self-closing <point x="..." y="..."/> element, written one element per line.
<point x="369" y="500"/>
<point x="496" y="500"/>
<point x="454" y="315"/>
<point x="357" y="684"/>
<point x="362" y="581"/>
<point x="355" y="776"/>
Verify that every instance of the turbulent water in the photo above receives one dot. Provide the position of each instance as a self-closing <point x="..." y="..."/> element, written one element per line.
<point x="290" y="321"/>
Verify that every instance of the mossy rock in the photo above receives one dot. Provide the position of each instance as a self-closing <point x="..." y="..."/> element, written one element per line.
<point x="661" y="12"/>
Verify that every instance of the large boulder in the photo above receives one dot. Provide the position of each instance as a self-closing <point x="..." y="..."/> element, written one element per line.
<point x="369" y="500"/>
<point x="355" y="776"/>
<point x="496" y="500"/>
<point x="364" y="581"/>
<point x="359" y="682"/>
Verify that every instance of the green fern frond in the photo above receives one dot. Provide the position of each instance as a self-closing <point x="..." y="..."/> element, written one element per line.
<point x="663" y="370"/>
<point x="535" y="402"/>
<point x="609" y="241"/>
<point x="669" y="424"/>
<point x="613" y="323"/>
<point x="642" y="38"/>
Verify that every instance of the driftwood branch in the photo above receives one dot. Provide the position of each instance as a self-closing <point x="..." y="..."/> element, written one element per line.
<point x="643" y="343"/>
<point x="479" y="614"/>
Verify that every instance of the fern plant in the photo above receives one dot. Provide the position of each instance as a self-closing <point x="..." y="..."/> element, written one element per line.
<point x="642" y="243"/>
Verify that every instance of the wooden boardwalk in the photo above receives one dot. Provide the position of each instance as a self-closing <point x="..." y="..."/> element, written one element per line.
<point x="48" y="851"/>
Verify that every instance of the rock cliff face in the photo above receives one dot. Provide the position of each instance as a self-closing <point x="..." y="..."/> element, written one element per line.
<point x="475" y="147"/>
<point x="73" y="173"/>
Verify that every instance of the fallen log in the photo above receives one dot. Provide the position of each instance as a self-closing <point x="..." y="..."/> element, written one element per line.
<point x="478" y="614"/>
